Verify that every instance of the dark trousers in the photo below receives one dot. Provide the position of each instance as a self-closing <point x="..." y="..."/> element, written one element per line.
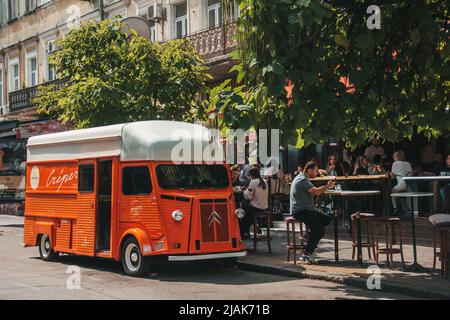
<point x="316" y="221"/>
<point x="247" y="220"/>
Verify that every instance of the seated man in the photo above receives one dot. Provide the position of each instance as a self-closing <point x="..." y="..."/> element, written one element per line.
<point x="302" y="207"/>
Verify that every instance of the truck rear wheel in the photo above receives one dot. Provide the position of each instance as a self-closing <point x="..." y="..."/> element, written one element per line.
<point x="45" y="249"/>
<point x="133" y="262"/>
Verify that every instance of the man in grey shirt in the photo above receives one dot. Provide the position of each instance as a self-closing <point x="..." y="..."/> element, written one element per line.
<point x="302" y="207"/>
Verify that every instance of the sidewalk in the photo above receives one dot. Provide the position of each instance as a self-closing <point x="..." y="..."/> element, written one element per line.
<point x="423" y="285"/>
<point x="10" y="221"/>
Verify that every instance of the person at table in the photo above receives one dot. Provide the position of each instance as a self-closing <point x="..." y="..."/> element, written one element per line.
<point x="361" y="166"/>
<point x="244" y="176"/>
<point x="333" y="167"/>
<point x="377" y="166"/>
<point x="400" y="168"/>
<point x="298" y="170"/>
<point x="446" y="188"/>
<point x="374" y="149"/>
<point x="346" y="168"/>
<point x="237" y="185"/>
<point x="302" y="207"/>
<point x="258" y="195"/>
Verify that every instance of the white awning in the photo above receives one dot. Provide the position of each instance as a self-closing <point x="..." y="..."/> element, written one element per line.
<point x="145" y="140"/>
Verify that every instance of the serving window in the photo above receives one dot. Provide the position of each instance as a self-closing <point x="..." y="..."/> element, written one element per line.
<point x="86" y="178"/>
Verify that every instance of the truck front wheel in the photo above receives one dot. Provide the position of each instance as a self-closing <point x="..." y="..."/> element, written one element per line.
<point x="133" y="262"/>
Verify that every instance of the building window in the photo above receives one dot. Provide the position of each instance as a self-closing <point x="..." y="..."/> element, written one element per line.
<point x="30" y="5"/>
<point x="136" y="181"/>
<point x="41" y="2"/>
<point x="214" y="13"/>
<point x="32" y="75"/>
<point x="86" y="178"/>
<point x="14" y="75"/>
<point x="13" y="9"/>
<point x="235" y="11"/>
<point x="1" y="85"/>
<point x="50" y="72"/>
<point x="181" y="20"/>
<point x="151" y="13"/>
<point x="3" y="12"/>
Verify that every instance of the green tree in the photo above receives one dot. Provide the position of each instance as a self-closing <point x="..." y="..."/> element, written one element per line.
<point x="397" y="77"/>
<point x="116" y="76"/>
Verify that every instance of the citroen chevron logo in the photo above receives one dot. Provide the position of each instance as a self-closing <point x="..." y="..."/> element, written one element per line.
<point x="214" y="216"/>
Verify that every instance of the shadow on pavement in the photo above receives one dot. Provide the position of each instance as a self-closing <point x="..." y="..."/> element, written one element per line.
<point x="199" y="272"/>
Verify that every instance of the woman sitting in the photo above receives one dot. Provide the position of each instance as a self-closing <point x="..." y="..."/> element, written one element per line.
<point x="361" y="166"/>
<point x="377" y="166"/>
<point x="400" y="168"/>
<point x="258" y="195"/>
<point x="334" y="167"/>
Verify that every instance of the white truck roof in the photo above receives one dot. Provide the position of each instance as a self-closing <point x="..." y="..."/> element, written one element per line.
<point x="144" y="140"/>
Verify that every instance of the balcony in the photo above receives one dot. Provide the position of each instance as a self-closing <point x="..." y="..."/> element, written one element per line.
<point x="214" y="44"/>
<point x="22" y="99"/>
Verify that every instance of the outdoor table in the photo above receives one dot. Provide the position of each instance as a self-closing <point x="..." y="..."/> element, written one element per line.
<point x="348" y="193"/>
<point x="415" y="267"/>
<point x="428" y="178"/>
<point x="383" y="178"/>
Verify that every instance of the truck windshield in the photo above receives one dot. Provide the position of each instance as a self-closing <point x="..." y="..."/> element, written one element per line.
<point x="188" y="176"/>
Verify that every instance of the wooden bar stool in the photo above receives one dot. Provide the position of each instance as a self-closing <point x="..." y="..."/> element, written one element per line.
<point x="444" y="233"/>
<point x="390" y="224"/>
<point x="370" y="243"/>
<point x="267" y="217"/>
<point x="291" y="237"/>
<point x="437" y="220"/>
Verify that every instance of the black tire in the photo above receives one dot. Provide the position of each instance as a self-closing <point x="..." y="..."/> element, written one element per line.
<point x="134" y="264"/>
<point x="45" y="248"/>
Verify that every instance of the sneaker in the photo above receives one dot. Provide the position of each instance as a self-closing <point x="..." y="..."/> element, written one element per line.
<point x="305" y="259"/>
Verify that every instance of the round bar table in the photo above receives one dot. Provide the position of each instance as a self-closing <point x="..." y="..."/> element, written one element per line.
<point x="438" y="179"/>
<point x="348" y="193"/>
<point x="415" y="267"/>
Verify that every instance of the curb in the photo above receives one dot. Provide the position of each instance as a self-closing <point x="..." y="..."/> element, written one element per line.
<point x="352" y="281"/>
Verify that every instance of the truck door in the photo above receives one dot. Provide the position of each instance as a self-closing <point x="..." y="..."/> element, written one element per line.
<point x="103" y="228"/>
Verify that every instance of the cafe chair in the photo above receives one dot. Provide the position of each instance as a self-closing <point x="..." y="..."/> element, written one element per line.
<point x="391" y="225"/>
<point x="266" y="218"/>
<point x="291" y="237"/>
<point x="368" y="220"/>
<point x="437" y="220"/>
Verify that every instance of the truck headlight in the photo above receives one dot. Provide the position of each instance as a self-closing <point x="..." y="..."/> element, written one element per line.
<point x="240" y="213"/>
<point x="177" y="215"/>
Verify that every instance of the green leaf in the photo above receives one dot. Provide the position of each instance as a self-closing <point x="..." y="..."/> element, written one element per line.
<point x="341" y="40"/>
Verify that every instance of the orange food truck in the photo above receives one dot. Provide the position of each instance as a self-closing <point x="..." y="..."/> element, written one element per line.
<point x="115" y="192"/>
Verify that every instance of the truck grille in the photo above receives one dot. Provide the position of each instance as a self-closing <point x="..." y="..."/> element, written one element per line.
<point x="214" y="220"/>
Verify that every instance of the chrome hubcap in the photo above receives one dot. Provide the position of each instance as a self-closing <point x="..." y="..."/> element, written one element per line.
<point x="132" y="257"/>
<point x="45" y="245"/>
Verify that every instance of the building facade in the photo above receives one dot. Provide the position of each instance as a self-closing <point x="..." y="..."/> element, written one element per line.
<point x="29" y="28"/>
<point x="28" y="31"/>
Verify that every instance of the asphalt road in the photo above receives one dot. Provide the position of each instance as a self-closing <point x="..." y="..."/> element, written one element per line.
<point x="24" y="276"/>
